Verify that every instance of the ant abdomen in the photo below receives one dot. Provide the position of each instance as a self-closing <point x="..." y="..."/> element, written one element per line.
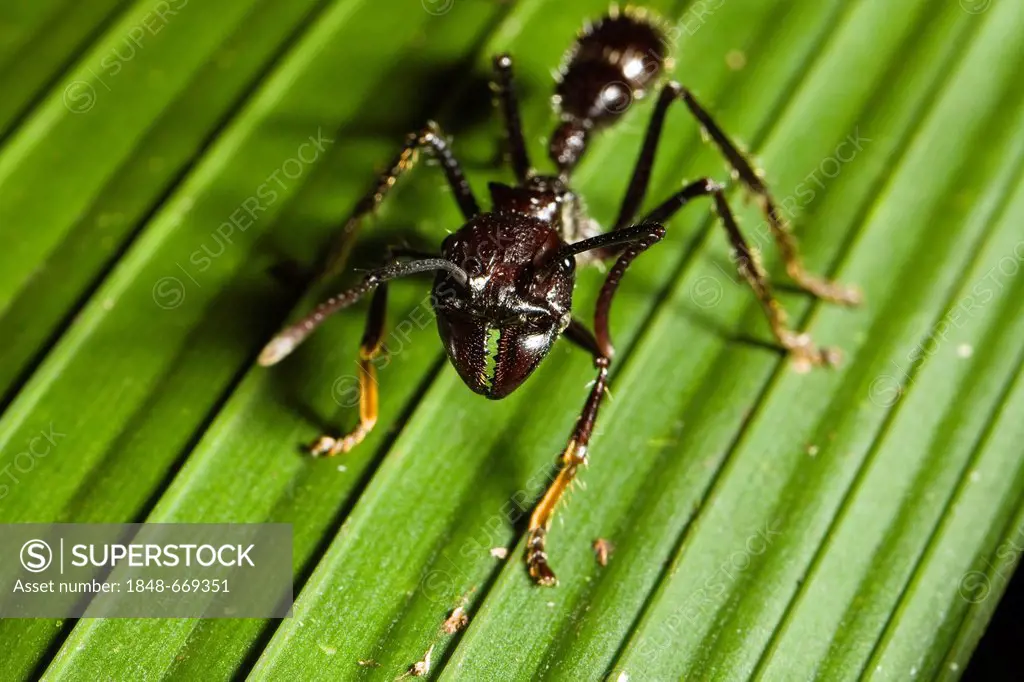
<point x="612" y="63"/>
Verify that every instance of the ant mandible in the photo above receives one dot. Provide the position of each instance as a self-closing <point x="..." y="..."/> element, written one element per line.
<point x="503" y="287"/>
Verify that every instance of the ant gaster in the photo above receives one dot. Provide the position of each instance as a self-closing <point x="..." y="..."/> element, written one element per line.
<point x="503" y="286"/>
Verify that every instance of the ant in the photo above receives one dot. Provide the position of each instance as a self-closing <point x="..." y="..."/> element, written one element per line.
<point x="503" y="283"/>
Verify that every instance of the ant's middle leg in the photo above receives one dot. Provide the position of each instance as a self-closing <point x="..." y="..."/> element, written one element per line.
<point x="799" y="345"/>
<point x="430" y="136"/>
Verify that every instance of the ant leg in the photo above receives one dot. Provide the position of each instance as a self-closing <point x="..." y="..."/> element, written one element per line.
<point x="641" y="178"/>
<point x="599" y="345"/>
<point x="804" y="352"/>
<point x="818" y="286"/>
<point x="289" y="338"/>
<point x="574" y="456"/>
<point x="638" y="239"/>
<point x="509" y="103"/>
<point x="429" y="136"/>
<point x="799" y="345"/>
<point x="370" y="348"/>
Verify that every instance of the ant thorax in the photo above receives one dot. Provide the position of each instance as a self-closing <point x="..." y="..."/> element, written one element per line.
<point x="550" y="199"/>
<point x="577" y="225"/>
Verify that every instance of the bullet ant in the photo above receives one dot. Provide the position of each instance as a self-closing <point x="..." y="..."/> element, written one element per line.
<point x="503" y="283"/>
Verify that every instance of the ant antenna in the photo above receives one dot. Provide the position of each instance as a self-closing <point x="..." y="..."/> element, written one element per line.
<point x="286" y="341"/>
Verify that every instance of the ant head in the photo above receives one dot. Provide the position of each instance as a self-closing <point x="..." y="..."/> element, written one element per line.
<point x="516" y="301"/>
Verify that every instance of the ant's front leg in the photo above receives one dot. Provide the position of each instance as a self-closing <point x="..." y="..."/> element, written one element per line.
<point x="572" y="458"/>
<point x="599" y="345"/>
<point x="288" y="339"/>
<point x="369" y="349"/>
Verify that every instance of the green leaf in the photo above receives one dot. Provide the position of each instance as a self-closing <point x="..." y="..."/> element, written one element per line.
<point x="766" y="523"/>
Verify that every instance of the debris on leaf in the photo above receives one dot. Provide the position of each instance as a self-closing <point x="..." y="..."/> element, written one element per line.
<point x="499" y="552"/>
<point x="369" y="663"/>
<point x="455" y="621"/>
<point x="602" y="550"/>
<point x="422" y="667"/>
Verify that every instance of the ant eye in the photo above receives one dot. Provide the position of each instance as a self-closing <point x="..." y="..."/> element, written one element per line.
<point x="473" y="266"/>
<point x="568" y="265"/>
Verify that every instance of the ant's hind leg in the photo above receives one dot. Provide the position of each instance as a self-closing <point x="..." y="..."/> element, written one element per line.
<point x="641" y="177"/>
<point x="818" y="286"/>
<point x="640" y="180"/>
<point x="371" y="347"/>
